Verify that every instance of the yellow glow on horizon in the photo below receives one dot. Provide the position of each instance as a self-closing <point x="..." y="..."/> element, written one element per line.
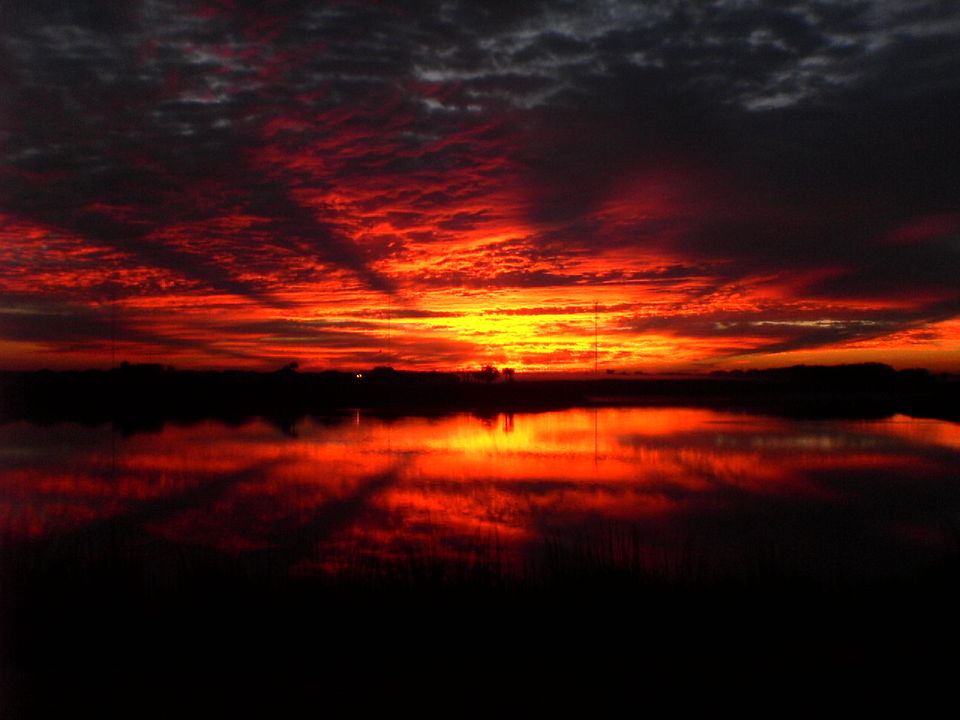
<point x="451" y="301"/>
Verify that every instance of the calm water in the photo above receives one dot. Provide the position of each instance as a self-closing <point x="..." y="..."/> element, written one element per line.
<point x="668" y="487"/>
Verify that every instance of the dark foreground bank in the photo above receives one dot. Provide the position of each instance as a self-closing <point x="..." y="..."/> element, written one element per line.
<point x="102" y="624"/>
<point x="144" y="396"/>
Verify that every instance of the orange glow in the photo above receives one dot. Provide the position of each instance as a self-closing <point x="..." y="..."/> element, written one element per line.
<point x="462" y="274"/>
<point x="360" y="486"/>
<point x="449" y="273"/>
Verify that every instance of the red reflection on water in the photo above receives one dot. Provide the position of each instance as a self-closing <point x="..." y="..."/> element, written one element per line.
<point x="339" y="492"/>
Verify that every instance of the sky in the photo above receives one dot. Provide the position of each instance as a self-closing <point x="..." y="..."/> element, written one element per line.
<point x="654" y="186"/>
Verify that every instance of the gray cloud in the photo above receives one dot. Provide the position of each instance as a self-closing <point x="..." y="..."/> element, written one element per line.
<point x="834" y="124"/>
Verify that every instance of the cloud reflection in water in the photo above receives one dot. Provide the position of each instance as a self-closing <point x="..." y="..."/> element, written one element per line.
<point x="864" y="495"/>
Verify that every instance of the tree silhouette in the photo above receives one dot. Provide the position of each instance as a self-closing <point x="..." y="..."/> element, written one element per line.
<point x="488" y="374"/>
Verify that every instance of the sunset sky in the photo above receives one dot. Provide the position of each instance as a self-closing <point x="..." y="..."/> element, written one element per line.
<point x="443" y="185"/>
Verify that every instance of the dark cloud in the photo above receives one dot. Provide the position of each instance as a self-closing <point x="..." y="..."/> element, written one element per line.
<point x="498" y="279"/>
<point x="64" y="324"/>
<point x="801" y="136"/>
<point x="783" y="329"/>
<point x="78" y="328"/>
<point x="106" y="109"/>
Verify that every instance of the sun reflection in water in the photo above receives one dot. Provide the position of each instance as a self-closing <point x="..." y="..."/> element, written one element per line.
<point x="362" y="486"/>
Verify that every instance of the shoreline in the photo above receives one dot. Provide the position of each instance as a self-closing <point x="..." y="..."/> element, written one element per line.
<point x="144" y="396"/>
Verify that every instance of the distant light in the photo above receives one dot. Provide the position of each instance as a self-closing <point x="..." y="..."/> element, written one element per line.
<point x="359" y="375"/>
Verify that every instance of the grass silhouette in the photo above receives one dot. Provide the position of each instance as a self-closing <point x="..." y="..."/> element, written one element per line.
<point x="113" y="622"/>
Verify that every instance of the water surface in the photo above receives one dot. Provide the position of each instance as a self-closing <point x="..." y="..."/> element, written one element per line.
<point x="669" y="488"/>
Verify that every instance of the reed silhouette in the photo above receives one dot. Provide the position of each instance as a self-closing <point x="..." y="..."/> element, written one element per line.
<point x="114" y="622"/>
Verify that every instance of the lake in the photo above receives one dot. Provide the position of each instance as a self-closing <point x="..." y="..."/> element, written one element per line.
<point x="668" y="490"/>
